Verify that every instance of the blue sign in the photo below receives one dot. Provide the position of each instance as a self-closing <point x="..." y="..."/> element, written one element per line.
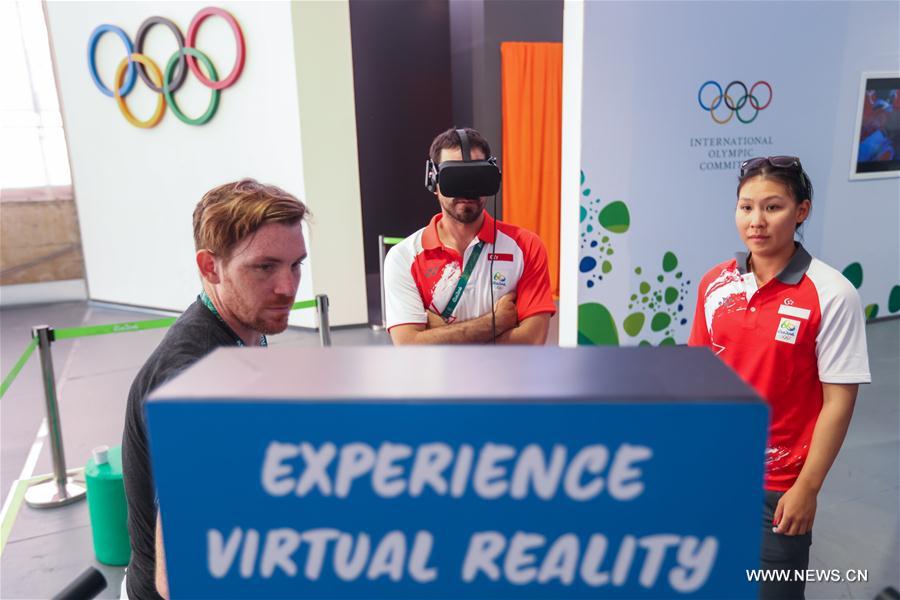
<point x="288" y="499"/>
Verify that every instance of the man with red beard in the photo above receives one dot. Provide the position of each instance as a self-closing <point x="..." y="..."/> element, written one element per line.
<point x="249" y="242"/>
<point x="466" y="278"/>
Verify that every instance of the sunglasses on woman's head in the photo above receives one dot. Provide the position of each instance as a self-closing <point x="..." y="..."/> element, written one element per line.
<point x="780" y="162"/>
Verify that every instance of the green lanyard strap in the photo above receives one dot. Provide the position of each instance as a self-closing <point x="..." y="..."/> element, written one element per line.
<point x="212" y="308"/>
<point x="463" y="280"/>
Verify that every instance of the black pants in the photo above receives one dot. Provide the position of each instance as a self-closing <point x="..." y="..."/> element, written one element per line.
<point x="787" y="552"/>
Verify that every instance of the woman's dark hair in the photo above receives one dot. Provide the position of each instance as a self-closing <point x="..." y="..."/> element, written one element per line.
<point x="794" y="178"/>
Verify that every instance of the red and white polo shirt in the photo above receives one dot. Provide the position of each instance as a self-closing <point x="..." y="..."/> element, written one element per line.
<point x="420" y="273"/>
<point x="803" y="328"/>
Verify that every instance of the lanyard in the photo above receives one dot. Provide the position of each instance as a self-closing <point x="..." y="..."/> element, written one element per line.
<point x="212" y="308"/>
<point x="463" y="280"/>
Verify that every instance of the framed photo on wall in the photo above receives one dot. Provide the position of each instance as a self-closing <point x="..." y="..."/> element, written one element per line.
<point x="876" y="138"/>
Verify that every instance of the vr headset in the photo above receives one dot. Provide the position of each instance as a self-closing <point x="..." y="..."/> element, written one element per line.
<point x="464" y="178"/>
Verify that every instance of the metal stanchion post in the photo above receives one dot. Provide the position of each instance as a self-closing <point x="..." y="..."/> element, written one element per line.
<point x="381" y="257"/>
<point x="60" y="490"/>
<point x="324" y="326"/>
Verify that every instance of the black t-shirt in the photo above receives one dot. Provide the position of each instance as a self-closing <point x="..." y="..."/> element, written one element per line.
<point x="195" y="334"/>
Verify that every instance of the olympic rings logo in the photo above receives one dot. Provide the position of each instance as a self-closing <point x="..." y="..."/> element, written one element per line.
<point x="747" y="101"/>
<point x="167" y="81"/>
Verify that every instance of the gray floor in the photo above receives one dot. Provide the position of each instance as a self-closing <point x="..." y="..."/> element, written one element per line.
<point x="856" y="526"/>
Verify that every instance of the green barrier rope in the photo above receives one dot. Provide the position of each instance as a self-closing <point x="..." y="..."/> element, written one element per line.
<point x="18" y="367"/>
<point x="392" y="241"/>
<point x="77" y="332"/>
<point x="303" y="304"/>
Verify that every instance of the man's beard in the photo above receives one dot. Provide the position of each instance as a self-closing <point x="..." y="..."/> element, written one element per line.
<point x="465" y="212"/>
<point x="269" y="327"/>
<point x="257" y="321"/>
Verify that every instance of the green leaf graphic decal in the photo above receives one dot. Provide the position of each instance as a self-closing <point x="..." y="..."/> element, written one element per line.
<point x="615" y="217"/>
<point x="596" y="325"/>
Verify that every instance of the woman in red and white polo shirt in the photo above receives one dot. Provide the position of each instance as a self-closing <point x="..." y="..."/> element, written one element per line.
<point x="793" y="328"/>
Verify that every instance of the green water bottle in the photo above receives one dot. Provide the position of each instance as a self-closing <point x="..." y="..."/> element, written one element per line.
<point x="107" y="507"/>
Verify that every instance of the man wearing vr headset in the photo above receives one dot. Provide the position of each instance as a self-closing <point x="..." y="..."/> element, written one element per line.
<point x="466" y="278"/>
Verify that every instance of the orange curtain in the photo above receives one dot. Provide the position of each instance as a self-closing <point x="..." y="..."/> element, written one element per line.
<point x="532" y="121"/>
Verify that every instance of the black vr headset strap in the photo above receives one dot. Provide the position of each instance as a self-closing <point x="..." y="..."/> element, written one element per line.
<point x="464" y="144"/>
<point x="431" y="176"/>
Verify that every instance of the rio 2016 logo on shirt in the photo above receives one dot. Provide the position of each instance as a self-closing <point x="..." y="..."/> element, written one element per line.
<point x="787" y="330"/>
<point x="499" y="279"/>
<point x="718" y="101"/>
